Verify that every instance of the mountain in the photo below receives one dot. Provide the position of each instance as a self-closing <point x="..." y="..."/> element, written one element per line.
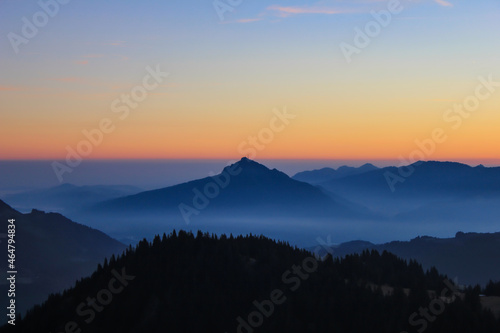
<point x="51" y="252"/>
<point x="326" y="174"/>
<point x="423" y="178"/>
<point x="421" y="185"/>
<point x="67" y="197"/>
<point x="471" y="257"/>
<point x="245" y="188"/>
<point x="183" y="283"/>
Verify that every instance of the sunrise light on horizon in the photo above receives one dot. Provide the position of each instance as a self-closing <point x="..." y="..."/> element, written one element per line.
<point x="421" y="72"/>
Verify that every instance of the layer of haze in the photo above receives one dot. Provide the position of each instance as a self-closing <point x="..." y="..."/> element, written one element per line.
<point x="151" y="174"/>
<point x="146" y="174"/>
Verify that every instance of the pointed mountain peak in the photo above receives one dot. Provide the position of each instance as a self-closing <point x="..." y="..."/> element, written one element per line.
<point x="247" y="163"/>
<point x="368" y="166"/>
<point x="244" y="160"/>
<point x="251" y="168"/>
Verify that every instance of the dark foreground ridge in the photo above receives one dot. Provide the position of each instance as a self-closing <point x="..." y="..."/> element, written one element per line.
<point x="183" y="283"/>
<point x="51" y="253"/>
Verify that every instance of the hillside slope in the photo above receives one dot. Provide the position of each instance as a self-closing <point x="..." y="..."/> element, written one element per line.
<point x="183" y="283"/>
<point x="52" y="252"/>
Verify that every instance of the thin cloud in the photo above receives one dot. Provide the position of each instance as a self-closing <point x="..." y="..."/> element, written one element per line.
<point x="68" y="79"/>
<point x="250" y="20"/>
<point x="9" y="88"/>
<point x="288" y="11"/>
<point x="87" y="58"/>
<point x="443" y="3"/>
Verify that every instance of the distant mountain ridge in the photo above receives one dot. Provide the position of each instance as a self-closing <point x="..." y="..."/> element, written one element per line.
<point x="430" y="198"/>
<point x="326" y="174"/>
<point x="425" y="191"/>
<point x="432" y="176"/>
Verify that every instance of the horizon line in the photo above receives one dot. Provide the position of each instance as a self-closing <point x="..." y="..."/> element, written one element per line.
<point x="467" y="161"/>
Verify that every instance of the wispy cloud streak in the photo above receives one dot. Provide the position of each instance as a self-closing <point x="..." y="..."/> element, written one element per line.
<point x="443" y="3"/>
<point x="288" y="11"/>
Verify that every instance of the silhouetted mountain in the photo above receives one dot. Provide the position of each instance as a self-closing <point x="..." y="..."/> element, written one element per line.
<point x="471" y="257"/>
<point x="245" y="188"/>
<point x="423" y="184"/>
<point x="326" y="174"/>
<point x="67" y="197"/>
<point x="52" y="252"/>
<point x="183" y="283"/>
<point x="423" y="178"/>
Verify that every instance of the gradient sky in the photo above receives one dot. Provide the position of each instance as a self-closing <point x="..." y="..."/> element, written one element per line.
<point x="226" y="77"/>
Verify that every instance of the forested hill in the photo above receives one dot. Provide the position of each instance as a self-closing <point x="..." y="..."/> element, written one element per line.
<point x="202" y="283"/>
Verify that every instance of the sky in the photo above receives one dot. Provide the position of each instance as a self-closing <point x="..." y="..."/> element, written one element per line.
<point x="265" y="79"/>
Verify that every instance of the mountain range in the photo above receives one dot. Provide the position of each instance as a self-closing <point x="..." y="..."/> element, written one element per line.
<point x="424" y="191"/>
<point x="55" y="251"/>
<point x="326" y="174"/>
<point x="245" y="188"/>
<point x="340" y="192"/>
<point x="435" y="198"/>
